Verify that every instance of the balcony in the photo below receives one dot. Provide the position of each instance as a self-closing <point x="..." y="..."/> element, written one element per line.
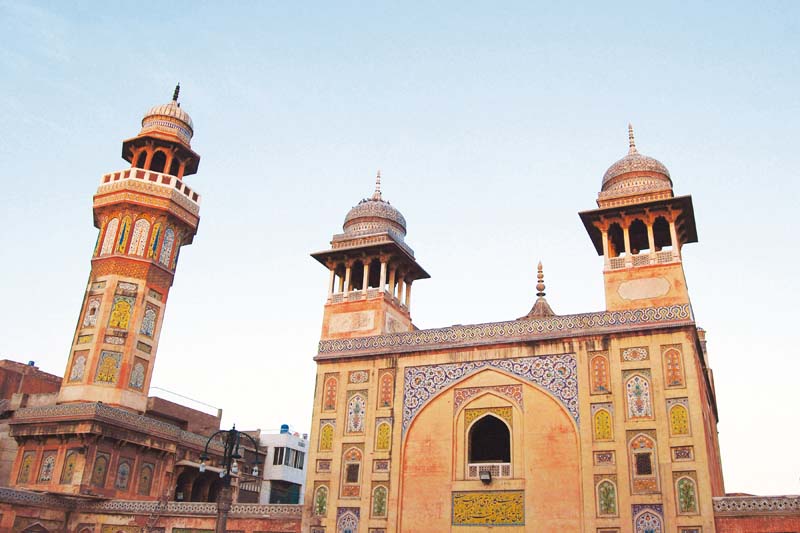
<point x="498" y="470"/>
<point x="166" y="181"/>
<point x="643" y="259"/>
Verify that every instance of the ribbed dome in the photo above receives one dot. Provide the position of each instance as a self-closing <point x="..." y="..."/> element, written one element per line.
<point x="635" y="173"/>
<point x="374" y="215"/>
<point x="169" y="119"/>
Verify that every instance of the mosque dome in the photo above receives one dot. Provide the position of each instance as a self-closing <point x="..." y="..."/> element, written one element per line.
<point x="374" y="215"/>
<point x="169" y="119"/>
<point x="635" y="173"/>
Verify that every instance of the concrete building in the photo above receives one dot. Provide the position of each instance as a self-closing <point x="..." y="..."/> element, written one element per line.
<point x="600" y="422"/>
<point x="285" y="466"/>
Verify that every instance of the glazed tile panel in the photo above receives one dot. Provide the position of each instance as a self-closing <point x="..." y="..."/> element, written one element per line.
<point x="509" y="332"/>
<point x="557" y="374"/>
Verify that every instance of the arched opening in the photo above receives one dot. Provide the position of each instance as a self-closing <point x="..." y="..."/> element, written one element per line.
<point x="661" y="234"/>
<point x="638" y="237"/>
<point x="173" y="168"/>
<point x="158" y="162"/>
<point x="357" y="276"/>
<point x="141" y="159"/>
<point x="489" y="441"/>
<point x="616" y="241"/>
<point x="375" y="273"/>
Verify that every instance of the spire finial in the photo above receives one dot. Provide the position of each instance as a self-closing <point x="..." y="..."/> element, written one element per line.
<point x="631" y="140"/>
<point x="176" y="92"/>
<point x="540" y="281"/>
<point x="377" y="194"/>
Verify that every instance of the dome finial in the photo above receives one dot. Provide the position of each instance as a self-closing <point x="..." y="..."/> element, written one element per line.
<point x="631" y="140"/>
<point x="377" y="194"/>
<point x="540" y="281"/>
<point x="176" y="92"/>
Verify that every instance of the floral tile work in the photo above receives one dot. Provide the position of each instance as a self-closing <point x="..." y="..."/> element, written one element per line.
<point x="556" y="374"/>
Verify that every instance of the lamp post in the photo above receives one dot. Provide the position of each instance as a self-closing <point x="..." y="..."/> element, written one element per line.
<point x="230" y="466"/>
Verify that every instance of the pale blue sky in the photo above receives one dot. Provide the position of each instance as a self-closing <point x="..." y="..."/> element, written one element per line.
<point x="492" y="124"/>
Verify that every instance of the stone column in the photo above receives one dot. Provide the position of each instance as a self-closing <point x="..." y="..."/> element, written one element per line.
<point x="384" y="263"/>
<point x="392" y="274"/>
<point x="606" y="259"/>
<point x="627" y="236"/>
<point x="673" y="233"/>
<point x="365" y="282"/>
<point x="331" y="281"/>
<point x="348" y="286"/>
<point x="400" y="284"/>
<point x="408" y="295"/>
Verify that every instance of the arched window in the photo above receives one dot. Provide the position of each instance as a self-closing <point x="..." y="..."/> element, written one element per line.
<point x="69" y="467"/>
<point x="110" y="237"/>
<point x="149" y="321"/>
<point x="637" y="233"/>
<point x="321" y="501"/>
<point x="599" y="374"/>
<point x="637" y="390"/>
<point x="642" y="449"/>
<point x="673" y="368"/>
<point x="351" y="473"/>
<point x="145" y="479"/>
<point x="686" y="495"/>
<point x="329" y="394"/>
<point x="356" y="409"/>
<point x="48" y="465"/>
<point x="616" y="240"/>
<point x="379" y="496"/>
<point x="678" y="420"/>
<point x="166" y="248"/>
<point x="602" y="425"/>
<point x="648" y="522"/>
<point x="25" y="467"/>
<point x="326" y="438"/>
<point x="141" y="159"/>
<point x="383" y="437"/>
<point x="661" y="234"/>
<point x="173" y="168"/>
<point x="100" y="470"/>
<point x="123" y="475"/>
<point x="489" y="441"/>
<point x="159" y="161"/>
<point x="92" y="306"/>
<point x="124" y="233"/>
<point x="139" y="237"/>
<point x="606" y="498"/>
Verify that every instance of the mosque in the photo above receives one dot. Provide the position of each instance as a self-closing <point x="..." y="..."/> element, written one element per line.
<point x="599" y="422"/>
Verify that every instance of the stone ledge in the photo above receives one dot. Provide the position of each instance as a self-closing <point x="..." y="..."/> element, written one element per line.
<point x="756" y="505"/>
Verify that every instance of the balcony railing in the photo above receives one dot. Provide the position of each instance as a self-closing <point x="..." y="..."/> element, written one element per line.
<point x="643" y="259"/>
<point x="156" y="178"/>
<point x="498" y="470"/>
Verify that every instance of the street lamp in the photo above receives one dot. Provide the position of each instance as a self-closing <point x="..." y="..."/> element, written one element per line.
<point x="230" y="466"/>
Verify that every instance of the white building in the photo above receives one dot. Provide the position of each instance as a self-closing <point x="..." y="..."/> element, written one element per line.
<point x="285" y="466"/>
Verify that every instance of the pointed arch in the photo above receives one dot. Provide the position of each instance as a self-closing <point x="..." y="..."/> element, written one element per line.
<point x="141" y="229"/>
<point x="385" y="389"/>
<point x="637" y="393"/>
<point x="347" y="521"/>
<point x="488" y="439"/>
<point x="678" y="420"/>
<point x="110" y="236"/>
<point x="155" y="240"/>
<point x="643" y="463"/>
<point x="603" y="428"/>
<point x="326" y="438"/>
<point x="383" y="437"/>
<point x="356" y="413"/>
<point x="648" y="522"/>
<point x="380" y="495"/>
<point x="124" y="234"/>
<point x="686" y="495"/>
<point x="351" y="473"/>
<point x="606" y="494"/>
<point x="329" y="391"/>
<point x="166" y="248"/>
<point x="321" y="501"/>
<point x="673" y="368"/>
<point x="599" y="373"/>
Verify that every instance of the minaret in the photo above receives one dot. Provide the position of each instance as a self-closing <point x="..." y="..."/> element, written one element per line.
<point x="371" y="272"/>
<point x="145" y="213"/>
<point x="639" y="229"/>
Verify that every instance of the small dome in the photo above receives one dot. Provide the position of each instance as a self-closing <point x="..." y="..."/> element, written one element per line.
<point x="374" y="215"/>
<point x="169" y="119"/>
<point x="635" y="172"/>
